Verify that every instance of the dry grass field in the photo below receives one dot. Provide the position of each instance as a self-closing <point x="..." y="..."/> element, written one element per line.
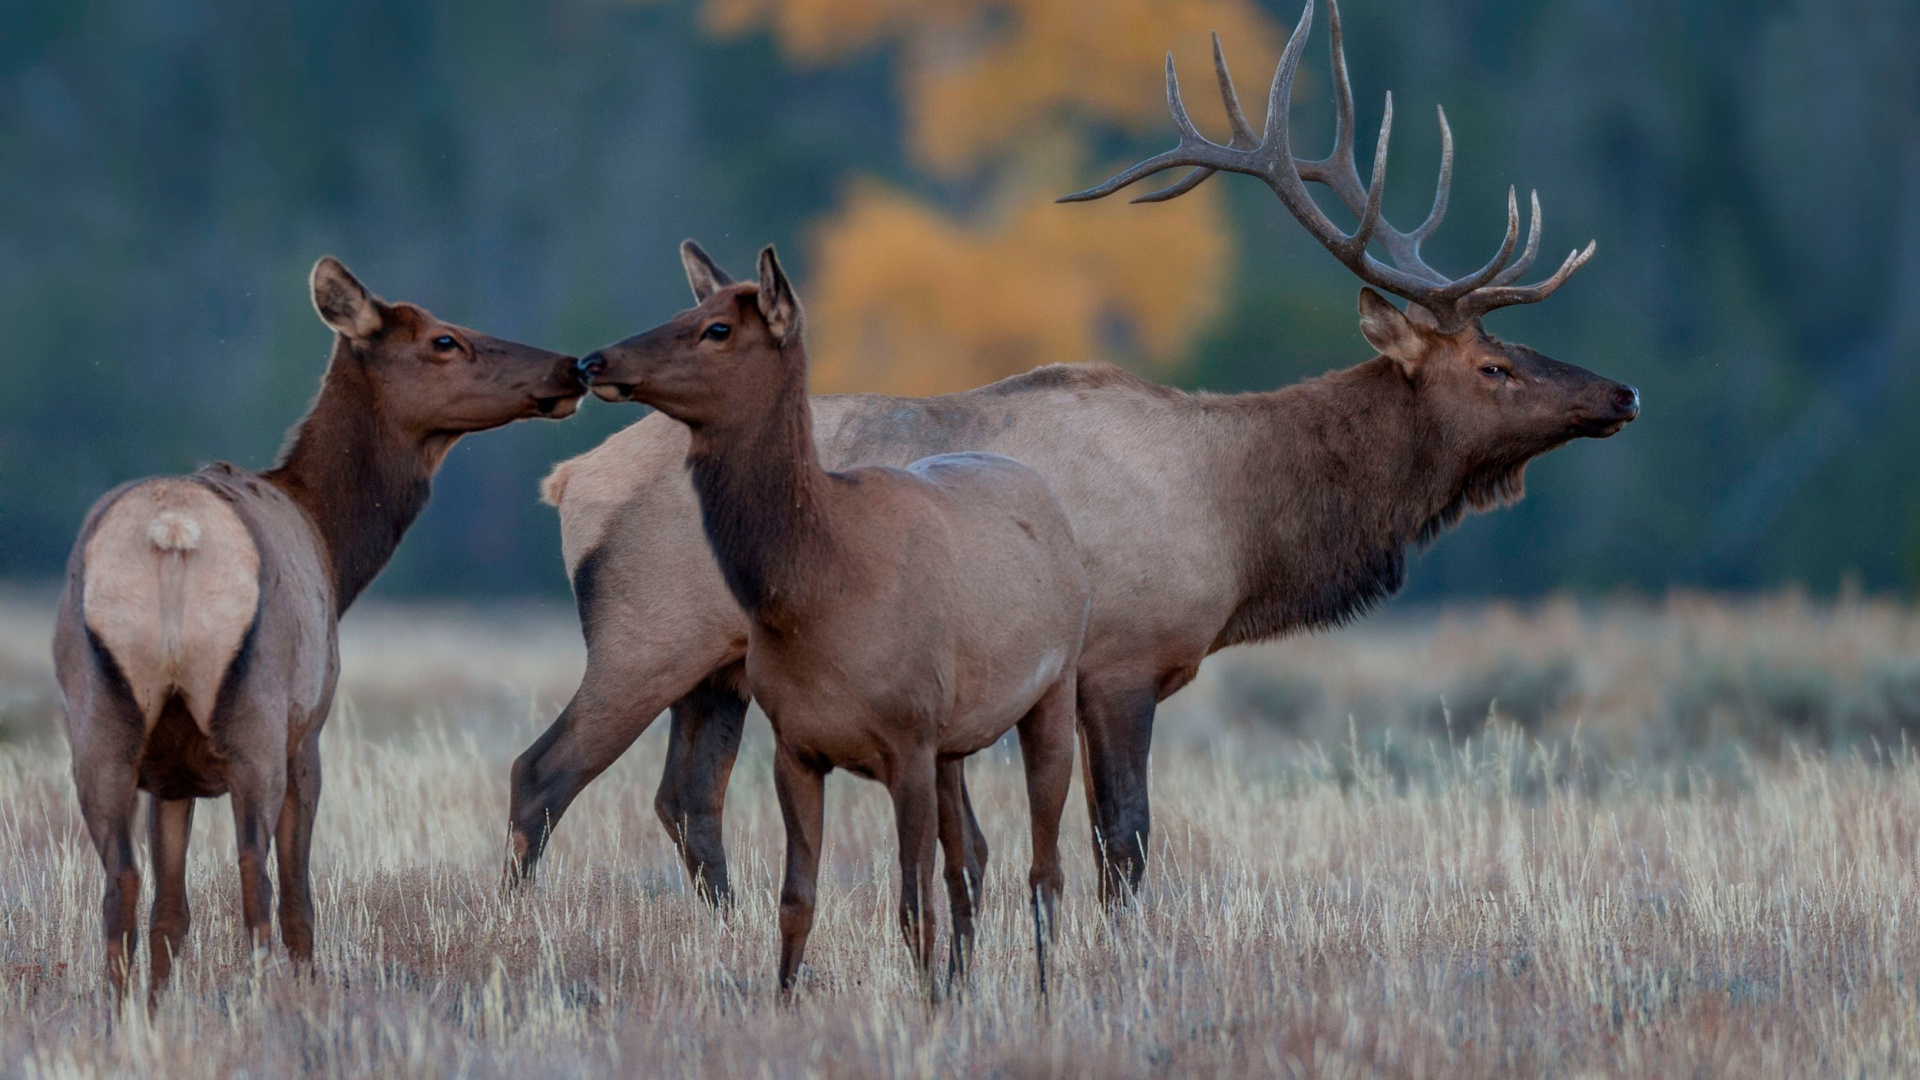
<point x="1686" y="844"/>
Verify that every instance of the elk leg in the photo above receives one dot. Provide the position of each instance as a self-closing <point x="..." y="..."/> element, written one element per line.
<point x="107" y="793"/>
<point x="703" y="741"/>
<point x="169" y="826"/>
<point x="612" y="707"/>
<point x="1117" y="732"/>
<point x="259" y="791"/>
<point x="293" y="844"/>
<point x="802" y="792"/>
<point x="916" y="812"/>
<point x="954" y="849"/>
<point x="976" y="842"/>
<point x="1046" y="751"/>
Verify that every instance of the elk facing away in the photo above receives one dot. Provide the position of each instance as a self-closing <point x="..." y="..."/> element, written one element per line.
<point x="1203" y="520"/>
<point x="897" y="619"/>
<point x="195" y="644"/>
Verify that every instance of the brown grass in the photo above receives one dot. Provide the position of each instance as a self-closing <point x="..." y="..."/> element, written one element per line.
<point x="1658" y="877"/>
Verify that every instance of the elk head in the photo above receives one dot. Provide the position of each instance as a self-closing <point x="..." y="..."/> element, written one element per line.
<point x="434" y="379"/>
<point x="1497" y="404"/>
<point x="729" y="356"/>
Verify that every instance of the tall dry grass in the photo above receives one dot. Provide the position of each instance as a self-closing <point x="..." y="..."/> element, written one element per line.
<point x="1635" y="884"/>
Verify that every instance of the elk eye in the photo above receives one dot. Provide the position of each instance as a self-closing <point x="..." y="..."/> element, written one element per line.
<point x="445" y="343"/>
<point x="717" y="332"/>
<point x="1493" y="371"/>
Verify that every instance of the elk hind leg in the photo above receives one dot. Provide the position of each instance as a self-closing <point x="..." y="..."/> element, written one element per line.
<point x="961" y="881"/>
<point x="107" y="798"/>
<point x="169" y="827"/>
<point x="293" y="844"/>
<point x="257" y="781"/>
<point x="702" y="744"/>
<point x="1046" y="752"/>
<point x="1117" y="733"/>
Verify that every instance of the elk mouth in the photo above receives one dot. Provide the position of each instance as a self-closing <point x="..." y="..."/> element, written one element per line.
<point x="613" y="391"/>
<point x="558" y="407"/>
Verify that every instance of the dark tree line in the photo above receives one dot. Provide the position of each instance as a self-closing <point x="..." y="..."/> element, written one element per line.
<point x="169" y="171"/>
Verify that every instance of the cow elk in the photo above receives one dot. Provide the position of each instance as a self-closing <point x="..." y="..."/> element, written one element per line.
<point x="897" y="619"/>
<point x="1203" y="520"/>
<point x="196" y="638"/>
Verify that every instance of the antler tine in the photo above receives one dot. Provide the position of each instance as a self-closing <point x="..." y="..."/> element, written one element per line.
<point x="1443" y="189"/>
<point x="1338" y="170"/>
<point x="1460" y="287"/>
<point x="1342" y="88"/>
<point x="1485" y="300"/>
<point x="1243" y="136"/>
<point x="1512" y="273"/>
<point x="1277" y="138"/>
<point x="1363" y="233"/>
<point x="1194" y="149"/>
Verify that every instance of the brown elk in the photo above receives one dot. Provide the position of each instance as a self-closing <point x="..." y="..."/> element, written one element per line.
<point x="1203" y="520"/>
<point x="898" y="619"/>
<point x="196" y="639"/>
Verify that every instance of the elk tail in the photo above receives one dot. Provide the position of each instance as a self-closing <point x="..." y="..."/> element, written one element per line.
<point x="175" y="536"/>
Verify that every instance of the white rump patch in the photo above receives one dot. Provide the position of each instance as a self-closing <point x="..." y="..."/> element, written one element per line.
<point x="172" y="586"/>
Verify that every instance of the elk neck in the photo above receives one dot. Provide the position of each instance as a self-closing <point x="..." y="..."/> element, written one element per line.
<point x="361" y="480"/>
<point x="762" y="493"/>
<point x="1340" y="476"/>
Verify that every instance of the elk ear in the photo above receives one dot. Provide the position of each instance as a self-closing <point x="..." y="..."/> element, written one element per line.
<point x="703" y="273"/>
<point x="777" y="303"/>
<point x="1401" y="336"/>
<point x="344" y="303"/>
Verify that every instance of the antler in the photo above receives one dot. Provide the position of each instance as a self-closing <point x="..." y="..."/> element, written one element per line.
<point x="1269" y="156"/>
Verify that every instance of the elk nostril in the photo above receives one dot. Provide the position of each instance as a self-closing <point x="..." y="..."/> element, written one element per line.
<point x="1627" y="398"/>
<point x="591" y="365"/>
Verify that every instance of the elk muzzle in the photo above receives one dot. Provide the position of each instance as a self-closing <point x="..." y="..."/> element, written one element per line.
<point x="1620" y="405"/>
<point x="594" y="365"/>
<point x="568" y="388"/>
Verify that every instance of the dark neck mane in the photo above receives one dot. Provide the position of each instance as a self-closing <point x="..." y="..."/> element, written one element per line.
<point x="361" y="482"/>
<point x="1337" y="478"/>
<point x="760" y="485"/>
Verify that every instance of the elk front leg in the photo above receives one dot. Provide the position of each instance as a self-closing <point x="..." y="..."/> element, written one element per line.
<point x="1117" y="730"/>
<point x="916" y="811"/>
<point x="961" y="882"/>
<point x="701" y="746"/>
<point x="169" y="826"/>
<point x="293" y="843"/>
<point x="802" y="792"/>
<point x="1046" y="752"/>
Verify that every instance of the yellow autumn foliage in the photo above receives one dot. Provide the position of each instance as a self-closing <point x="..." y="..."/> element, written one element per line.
<point x="978" y="73"/>
<point x="907" y="299"/>
<point x="904" y="300"/>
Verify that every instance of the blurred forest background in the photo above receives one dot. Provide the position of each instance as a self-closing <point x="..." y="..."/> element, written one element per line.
<point x="169" y="170"/>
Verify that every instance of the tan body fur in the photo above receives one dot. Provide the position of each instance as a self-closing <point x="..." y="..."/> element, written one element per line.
<point x="196" y="643"/>
<point x="897" y="619"/>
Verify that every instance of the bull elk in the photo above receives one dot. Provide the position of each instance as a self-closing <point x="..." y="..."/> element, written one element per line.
<point x="898" y="620"/>
<point x="196" y="638"/>
<point x="1203" y="520"/>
